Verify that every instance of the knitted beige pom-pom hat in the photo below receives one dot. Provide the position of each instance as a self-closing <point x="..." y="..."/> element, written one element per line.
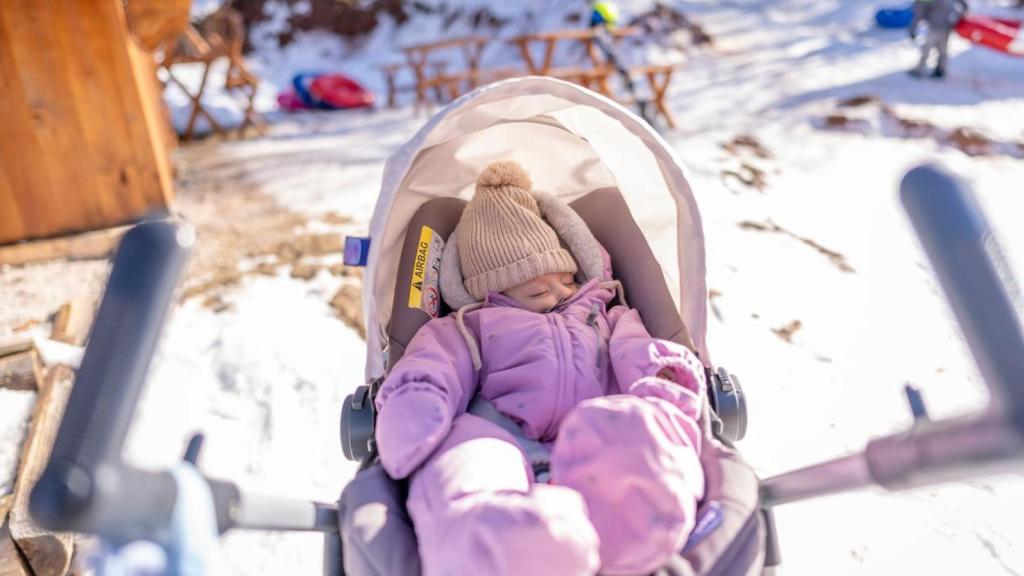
<point x="503" y="240"/>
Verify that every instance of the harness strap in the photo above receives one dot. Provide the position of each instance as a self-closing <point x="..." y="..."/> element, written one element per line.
<point x="537" y="453"/>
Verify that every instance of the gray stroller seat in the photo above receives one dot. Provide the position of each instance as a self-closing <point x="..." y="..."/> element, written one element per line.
<point x="376" y="532"/>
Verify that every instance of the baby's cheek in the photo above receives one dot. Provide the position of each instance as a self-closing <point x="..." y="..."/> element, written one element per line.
<point x="543" y="305"/>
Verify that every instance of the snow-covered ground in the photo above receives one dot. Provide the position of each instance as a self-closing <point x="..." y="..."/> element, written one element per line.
<point x="265" y="379"/>
<point x="778" y="68"/>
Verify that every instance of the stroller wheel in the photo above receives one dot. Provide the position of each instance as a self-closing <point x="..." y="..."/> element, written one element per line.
<point x="729" y="404"/>
<point x="357" y="425"/>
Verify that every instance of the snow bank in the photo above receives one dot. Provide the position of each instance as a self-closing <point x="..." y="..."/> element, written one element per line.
<point x="15" y="415"/>
<point x="264" y="382"/>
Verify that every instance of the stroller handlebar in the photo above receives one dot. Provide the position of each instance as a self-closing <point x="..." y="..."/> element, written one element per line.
<point x="85" y="486"/>
<point x="976" y="278"/>
<point x="986" y="301"/>
<point x="84" y="474"/>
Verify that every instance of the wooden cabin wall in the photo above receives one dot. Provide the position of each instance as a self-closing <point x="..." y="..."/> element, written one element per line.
<point x="82" y="128"/>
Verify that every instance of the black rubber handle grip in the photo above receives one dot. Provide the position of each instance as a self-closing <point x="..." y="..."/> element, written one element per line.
<point x="84" y="476"/>
<point x="976" y="278"/>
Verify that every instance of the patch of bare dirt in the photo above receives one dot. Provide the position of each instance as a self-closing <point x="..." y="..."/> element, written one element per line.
<point x="906" y="127"/>
<point x="748" y="175"/>
<point x="748" y="168"/>
<point x="345" y="271"/>
<point x="768" y="226"/>
<point x="786" y="332"/>
<point x="243" y="232"/>
<point x="714" y="295"/>
<point x="856" y="113"/>
<point x="355" y="21"/>
<point x="348" y="304"/>
<point x="335" y="218"/>
<point x="745" y="143"/>
<point x="841" y="121"/>
<point x="663" y="21"/>
<point x="297" y="248"/>
<point x="858" y="101"/>
<point x="971" y="142"/>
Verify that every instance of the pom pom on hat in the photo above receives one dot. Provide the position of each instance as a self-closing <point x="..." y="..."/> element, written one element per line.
<point x="504" y="173"/>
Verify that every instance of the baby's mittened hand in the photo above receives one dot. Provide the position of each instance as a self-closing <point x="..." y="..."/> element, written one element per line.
<point x="678" y="379"/>
<point x="678" y="364"/>
<point x="667" y="374"/>
<point x="410" y="426"/>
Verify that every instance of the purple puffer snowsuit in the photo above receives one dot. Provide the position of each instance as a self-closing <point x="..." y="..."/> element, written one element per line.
<point x="625" y="469"/>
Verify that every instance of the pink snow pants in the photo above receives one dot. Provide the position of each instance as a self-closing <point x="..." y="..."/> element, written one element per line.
<point x="625" y="481"/>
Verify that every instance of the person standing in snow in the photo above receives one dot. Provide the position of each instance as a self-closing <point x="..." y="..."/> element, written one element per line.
<point x="942" y="16"/>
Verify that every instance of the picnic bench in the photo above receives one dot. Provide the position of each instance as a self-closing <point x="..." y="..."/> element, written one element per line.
<point x="447" y="81"/>
<point x="444" y="79"/>
<point x="596" y="72"/>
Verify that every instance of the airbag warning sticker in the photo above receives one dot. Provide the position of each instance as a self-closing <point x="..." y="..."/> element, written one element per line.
<point x="424" y="289"/>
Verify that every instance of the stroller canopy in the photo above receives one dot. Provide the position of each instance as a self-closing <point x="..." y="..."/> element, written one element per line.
<point x="572" y="141"/>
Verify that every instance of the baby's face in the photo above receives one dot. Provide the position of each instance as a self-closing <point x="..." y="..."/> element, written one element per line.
<point x="543" y="292"/>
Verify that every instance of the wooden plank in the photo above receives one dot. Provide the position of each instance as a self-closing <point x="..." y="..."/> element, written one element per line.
<point x="72" y="323"/>
<point x="93" y="93"/>
<point x="20" y="371"/>
<point x="152" y="178"/>
<point x="153" y="22"/>
<point x="158" y="115"/>
<point x="92" y="30"/>
<point x="41" y="72"/>
<point x="11" y="562"/>
<point x="47" y="553"/>
<point x="42" y="68"/>
<point x="14" y="344"/>
<point x="85" y="246"/>
<point x="24" y="176"/>
<point x="10" y="214"/>
<point x="5" y="507"/>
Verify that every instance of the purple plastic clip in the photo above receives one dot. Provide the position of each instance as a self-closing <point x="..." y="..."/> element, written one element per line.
<point x="709" y="520"/>
<point x="357" y="249"/>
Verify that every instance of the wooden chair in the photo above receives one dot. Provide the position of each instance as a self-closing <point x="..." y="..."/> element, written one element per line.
<point x="223" y="36"/>
<point x="240" y="77"/>
<point x="391" y="72"/>
<point x="658" y="78"/>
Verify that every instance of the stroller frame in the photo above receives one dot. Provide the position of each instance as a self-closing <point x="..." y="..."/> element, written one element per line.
<point x="947" y="219"/>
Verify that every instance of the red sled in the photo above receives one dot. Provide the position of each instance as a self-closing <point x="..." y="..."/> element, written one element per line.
<point x="340" y="92"/>
<point x="1001" y="34"/>
<point x="315" y="91"/>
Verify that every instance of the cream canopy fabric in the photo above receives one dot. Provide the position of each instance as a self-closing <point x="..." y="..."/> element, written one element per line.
<point x="571" y="141"/>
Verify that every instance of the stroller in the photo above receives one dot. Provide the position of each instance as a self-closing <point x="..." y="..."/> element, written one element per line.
<point x="607" y="164"/>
